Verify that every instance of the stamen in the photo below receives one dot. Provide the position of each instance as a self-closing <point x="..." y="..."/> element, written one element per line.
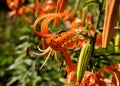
<point x="41" y="54"/>
<point x="56" y="57"/>
<point x="52" y="53"/>
<point x="46" y="59"/>
<point x="41" y="49"/>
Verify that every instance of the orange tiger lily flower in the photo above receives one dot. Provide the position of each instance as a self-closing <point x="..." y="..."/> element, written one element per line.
<point x="18" y="9"/>
<point x="46" y="7"/>
<point x="12" y="4"/>
<point x="55" y="41"/>
<point x="111" y="18"/>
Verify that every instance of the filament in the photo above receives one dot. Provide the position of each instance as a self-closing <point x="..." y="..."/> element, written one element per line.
<point x="46" y="59"/>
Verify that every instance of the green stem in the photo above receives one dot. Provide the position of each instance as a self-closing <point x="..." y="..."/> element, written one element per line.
<point x="97" y="24"/>
<point x="95" y="32"/>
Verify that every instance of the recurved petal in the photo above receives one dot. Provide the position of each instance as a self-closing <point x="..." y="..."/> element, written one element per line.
<point x="61" y="4"/>
<point x="111" y="18"/>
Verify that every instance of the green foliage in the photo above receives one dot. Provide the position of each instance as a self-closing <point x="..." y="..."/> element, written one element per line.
<point x="16" y="67"/>
<point x="24" y="67"/>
